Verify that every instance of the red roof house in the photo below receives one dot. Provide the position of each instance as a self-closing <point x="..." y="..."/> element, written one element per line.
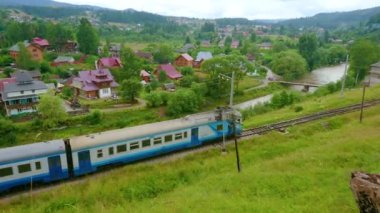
<point x="169" y="70"/>
<point x="43" y="43"/>
<point x="235" y="44"/>
<point x="145" y="76"/>
<point x="95" y="84"/>
<point x="110" y="62"/>
<point x="184" y="60"/>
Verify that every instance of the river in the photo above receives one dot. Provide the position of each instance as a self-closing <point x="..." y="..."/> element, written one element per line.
<point x="320" y="76"/>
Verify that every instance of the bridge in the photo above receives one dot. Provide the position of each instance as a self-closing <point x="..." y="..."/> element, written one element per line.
<point x="305" y="85"/>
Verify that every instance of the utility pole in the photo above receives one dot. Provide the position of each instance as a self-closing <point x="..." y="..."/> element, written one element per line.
<point x="344" y="76"/>
<point x="362" y="107"/>
<point x="232" y="79"/>
<point x="236" y="145"/>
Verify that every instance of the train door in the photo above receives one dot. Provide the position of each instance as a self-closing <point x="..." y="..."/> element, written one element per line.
<point x="84" y="161"/>
<point x="55" y="167"/>
<point x="195" y="136"/>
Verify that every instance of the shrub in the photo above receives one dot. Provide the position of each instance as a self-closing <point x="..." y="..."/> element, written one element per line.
<point x="183" y="101"/>
<point x="154" y="99"/>
<point x="7" y="132"/>
<point x="298" y="109"/>
<point x="94" y="118"/>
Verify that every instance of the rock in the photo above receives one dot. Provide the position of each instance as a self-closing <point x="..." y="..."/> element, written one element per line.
<point x="366" y="189"/>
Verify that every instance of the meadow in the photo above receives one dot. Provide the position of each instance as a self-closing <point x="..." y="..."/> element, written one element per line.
<point x="305" y="170"/>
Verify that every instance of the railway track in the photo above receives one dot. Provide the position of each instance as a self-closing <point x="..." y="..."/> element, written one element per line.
<point x="312" y="117"/>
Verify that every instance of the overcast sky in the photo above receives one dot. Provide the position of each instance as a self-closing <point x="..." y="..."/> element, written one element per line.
<point x="251" y="9"/>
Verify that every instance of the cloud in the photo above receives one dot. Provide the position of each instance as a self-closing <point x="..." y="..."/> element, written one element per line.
<point x="252" y="9"/>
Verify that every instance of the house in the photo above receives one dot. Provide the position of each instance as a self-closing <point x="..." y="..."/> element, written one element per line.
<point x="145" y="76"/>
<point x="251" y="57"/>
<point x="43" y="43"/>
<point x="36" y="75"/>
<point x="184" y="60"/>
<point x="265" y="46"/>
<point x="201" y="57"/>
<point x="375" y="74"/>
<point x="20" y="94"/>
<point x="115" y="50"/>
<point x="235" y="44"/>
<point x="169" y="70"/>
<point x="94" y="84"/>
<point x="60" y="60"/>
<point x="110" y="62"/>
<point x="70" y="46"/>
<point x="144" y="55"/>
<point x="186" y="48"/>
<point x="169" y="87"/>
<point x="206" y="43"/>
<point x="35" y="50"/>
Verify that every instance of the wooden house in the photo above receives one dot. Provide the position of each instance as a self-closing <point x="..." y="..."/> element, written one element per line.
<point x="184" y="60"/>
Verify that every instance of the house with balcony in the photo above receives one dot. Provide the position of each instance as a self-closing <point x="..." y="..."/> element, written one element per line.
<point x="20" y="94"/>
<point x="95" y="84"/>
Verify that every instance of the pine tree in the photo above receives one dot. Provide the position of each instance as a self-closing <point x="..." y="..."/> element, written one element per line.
<point x="87" y="38"/>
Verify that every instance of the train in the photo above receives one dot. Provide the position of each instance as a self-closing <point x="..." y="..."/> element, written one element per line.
<point x="62" y="159"/>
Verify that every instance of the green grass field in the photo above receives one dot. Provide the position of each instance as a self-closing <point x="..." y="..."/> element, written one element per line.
<point x="306" y="170"/>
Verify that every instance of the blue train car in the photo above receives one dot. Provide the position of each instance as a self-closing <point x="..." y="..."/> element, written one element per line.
<point x="62" y="159"/>
<point x="140" y="142"/>
<point x="39" y="162"/>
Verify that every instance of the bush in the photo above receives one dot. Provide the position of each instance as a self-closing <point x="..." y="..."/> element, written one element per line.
<point x="7" y="132"/>
<point x="94" y="118"/>
<point x="187" y="71"/>
<point x="8" y="71"/>
<point x="67" y="93"/>
<point x="186" y="81"/>
<point x="183" y="101"/>
<point x="154" y="99"/>
<point x="298" y="109"/>
<point x="45" y="67"/>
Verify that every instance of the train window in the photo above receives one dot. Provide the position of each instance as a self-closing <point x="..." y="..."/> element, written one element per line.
<point x="134" y="145"/>
<point x="178" y="136"/>
<point x="219" y="127"/>
<point x="6" y="172"/>
<point x="110" y="151"/>
<point x="38" y="165"/>
<point x="168" y="138"/>
<point x="100" y="153"/>
<point x="146" y="143"/>
<point x="157" y="141"/>
<point x="185" y="134"/>
<point x="121" y="148"/>
<point x="24" y="168"/>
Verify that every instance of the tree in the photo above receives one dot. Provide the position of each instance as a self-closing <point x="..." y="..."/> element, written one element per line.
<point x="164" y="54"/>
<point x="228" y="41"/>
<point x="183" y="101"/>
<point x="58" y="35"/>
<point x="7" y="132"/>
<point x="154" y="99"/>
<point x="363" y="53"/>
<point x="45" y="67"/>
<point x="252" y="37"/>
<point x="8" y="71"/>
<point x="133" y="64"/>
<point x="87" y="38"/>
<point x="51" y="111"/>
<point x="308" y="44"/>
<point x="208" y="27"/>
<point x="24" y="59"/>
<point x="187" y="40"/>
<point x="187" y="71"/>
<point x="130" y="89"/>
<point x="186" y="81"/>
<point x="289" y="64"/>
<point x="217" y="87"/>
<point x="162" y="77"/>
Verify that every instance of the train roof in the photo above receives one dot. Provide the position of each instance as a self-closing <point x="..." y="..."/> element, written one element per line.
<point x="129" y="133"/>
<point x="35" y="150"/>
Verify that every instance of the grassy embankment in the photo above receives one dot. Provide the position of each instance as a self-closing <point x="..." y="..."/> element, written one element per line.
<point x="28" y="133"/>
<point x="306" y="170"/>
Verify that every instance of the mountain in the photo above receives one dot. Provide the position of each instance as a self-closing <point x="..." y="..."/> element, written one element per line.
<point x="41" y="3"/>
<point x="37" y="3"/>
<point x="333" y="20"/>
